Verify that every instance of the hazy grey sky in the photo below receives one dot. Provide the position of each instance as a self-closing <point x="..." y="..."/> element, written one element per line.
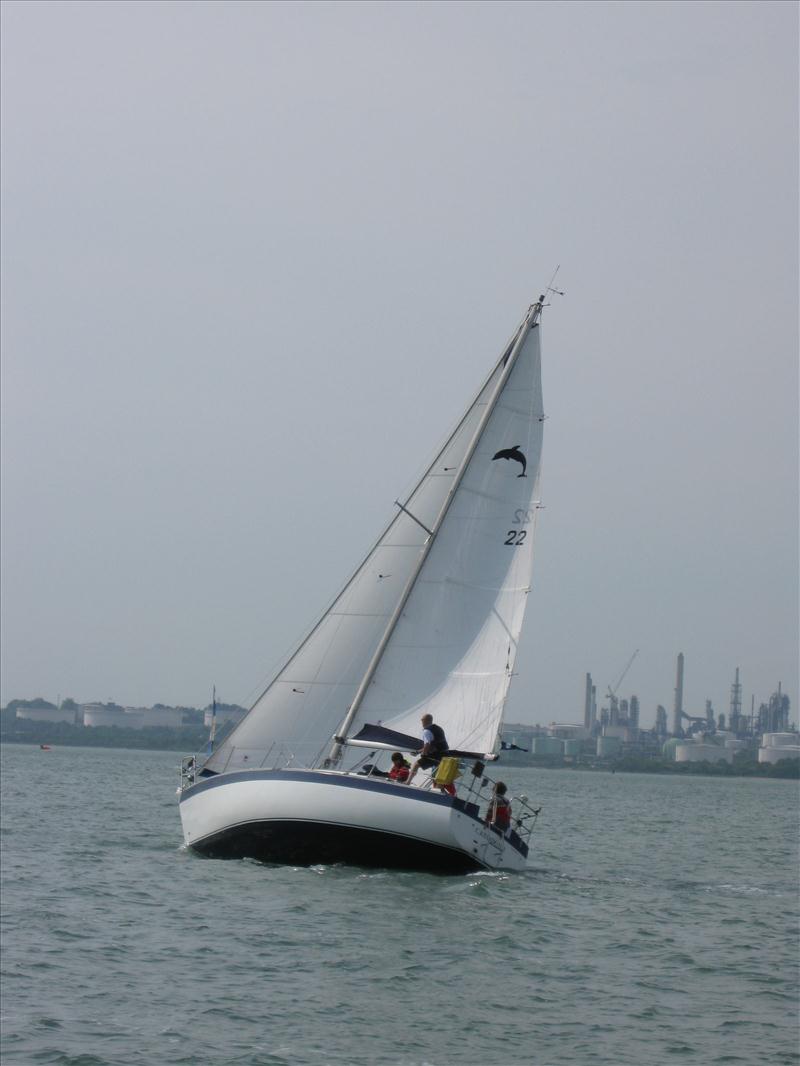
<point x="256" y="259"/>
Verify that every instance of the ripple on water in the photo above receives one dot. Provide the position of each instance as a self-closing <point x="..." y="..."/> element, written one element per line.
<point x="123" y="949"/>
<point x="62" y="1058"/>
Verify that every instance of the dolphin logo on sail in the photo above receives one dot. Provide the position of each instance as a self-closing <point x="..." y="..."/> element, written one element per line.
<point x="515" y="454"/>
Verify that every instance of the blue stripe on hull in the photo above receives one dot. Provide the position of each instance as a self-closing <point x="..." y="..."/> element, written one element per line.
<point x="300" y="843"/>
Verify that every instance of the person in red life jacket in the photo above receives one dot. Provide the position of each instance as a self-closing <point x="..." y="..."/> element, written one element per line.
<point x="434" y="746"/>
<point x="400" y="768"/>
<point x="499" y="813"/>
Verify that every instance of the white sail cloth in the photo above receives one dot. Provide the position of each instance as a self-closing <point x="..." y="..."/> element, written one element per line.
<point x="452" y="649"/>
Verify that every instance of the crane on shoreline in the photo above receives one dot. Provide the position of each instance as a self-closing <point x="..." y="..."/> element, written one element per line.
<point x="613" y="702"/>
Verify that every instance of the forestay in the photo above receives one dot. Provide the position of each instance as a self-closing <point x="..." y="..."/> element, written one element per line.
<point x="306" y="702"/>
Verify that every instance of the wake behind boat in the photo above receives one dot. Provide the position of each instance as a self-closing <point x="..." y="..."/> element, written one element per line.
<point x="428" y="624"/>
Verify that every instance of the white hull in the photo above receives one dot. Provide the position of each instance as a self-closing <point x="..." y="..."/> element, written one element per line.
<point x="305" y="817"/>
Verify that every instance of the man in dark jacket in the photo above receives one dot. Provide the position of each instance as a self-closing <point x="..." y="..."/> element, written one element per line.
<point x="434" y="746"/>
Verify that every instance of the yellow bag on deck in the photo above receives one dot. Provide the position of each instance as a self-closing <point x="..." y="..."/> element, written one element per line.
<point x="447" y="771"/>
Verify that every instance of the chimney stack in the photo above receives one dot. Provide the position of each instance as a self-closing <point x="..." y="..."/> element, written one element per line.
<point x="678" y="710"/>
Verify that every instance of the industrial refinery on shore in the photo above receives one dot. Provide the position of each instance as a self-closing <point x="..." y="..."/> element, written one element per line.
<point x="605" y="736"/>
<point x="614" y="732"/>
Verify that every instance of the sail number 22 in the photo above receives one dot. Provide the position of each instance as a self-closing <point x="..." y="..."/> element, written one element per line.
<point x="515" y="537"/>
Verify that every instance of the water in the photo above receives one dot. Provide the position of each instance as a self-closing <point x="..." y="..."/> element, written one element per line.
<point x="657" y="924"/>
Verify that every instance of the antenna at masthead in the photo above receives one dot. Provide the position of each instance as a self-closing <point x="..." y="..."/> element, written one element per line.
<point x="558" y="292"/>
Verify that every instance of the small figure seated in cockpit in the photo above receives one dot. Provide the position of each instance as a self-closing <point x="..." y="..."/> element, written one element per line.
<point x="498" y="816"/>
<point x="398" y="773"/>
<point x="400" y="768"/>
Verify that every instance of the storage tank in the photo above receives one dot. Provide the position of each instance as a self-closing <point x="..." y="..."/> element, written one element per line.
<point x="153" y="717"/>
<point x="547" y="746"/>
<point x="780" y="740"/>
<point x="668" y="748"/>
<point x="773" y="755"/>
<point x="98" y="715"/>
<point x="775" y="752"/>
<point x="702" y="753"/>
<point x="45" y="714"/>
<point x="608" y="746"/>
<point x="572" y="748"/>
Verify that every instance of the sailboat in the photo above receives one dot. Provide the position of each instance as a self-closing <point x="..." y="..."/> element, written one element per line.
<point x="428" y="624"/>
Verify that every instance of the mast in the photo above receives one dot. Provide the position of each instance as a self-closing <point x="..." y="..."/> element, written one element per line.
<point x="531" y="319"/>
<point x="213" y="731"/>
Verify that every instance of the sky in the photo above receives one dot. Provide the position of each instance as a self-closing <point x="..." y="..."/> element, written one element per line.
<point x="256" y="259"/>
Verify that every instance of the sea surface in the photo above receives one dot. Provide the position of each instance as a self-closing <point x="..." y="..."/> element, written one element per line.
<point x="657" y="923"/>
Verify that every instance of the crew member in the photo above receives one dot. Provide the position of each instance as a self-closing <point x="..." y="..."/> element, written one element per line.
<point x="434" y="746"/>
<point x="499" y="812"/>
<point x="400" y="768"/>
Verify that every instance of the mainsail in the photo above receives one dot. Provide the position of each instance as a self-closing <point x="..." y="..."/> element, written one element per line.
<point x="431" y="619"/>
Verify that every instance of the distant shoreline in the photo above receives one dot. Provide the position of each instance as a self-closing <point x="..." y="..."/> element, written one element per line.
<point x="63" y="735"/>
<point x="138" y="741"/>
<point x="193" y="739"/>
